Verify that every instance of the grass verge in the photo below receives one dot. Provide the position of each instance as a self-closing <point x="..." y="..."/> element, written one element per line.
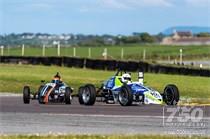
<point x="14" y="77"/>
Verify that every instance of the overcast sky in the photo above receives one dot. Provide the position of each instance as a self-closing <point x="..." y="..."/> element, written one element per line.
<point x="100" y="16"/>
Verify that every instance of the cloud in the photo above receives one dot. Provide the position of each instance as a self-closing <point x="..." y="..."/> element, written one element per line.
<point x="152" y="3"/>
<point x="39" y="6"/>
<point x="200" y="3"/>
<point x="83" y="6"/>
<point x="24" y="5"/>
<point x="116" y="4"/>
<point x="84" y="9"/>
<point x="133" y="4"/>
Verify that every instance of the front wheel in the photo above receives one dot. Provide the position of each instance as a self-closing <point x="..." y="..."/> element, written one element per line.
<point x="68" y="95"/>
<point x="87" y="94"/>
<point x="39" y="91"/>
<point x="125" y="96"/>
<point x="26" y="95"/>
<point x="171" y="95"/>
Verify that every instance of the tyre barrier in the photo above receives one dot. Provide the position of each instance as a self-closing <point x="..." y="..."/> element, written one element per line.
<point x="15" y="59"/>
<point x="95" y="64"/>
<point x="143" y="66"/>
<point x="104" y="65"/>
<point x="153" y="68"/>
<point x="73" y="62"/>
<point x="51" y="61"/>
<point x="132" y="66"/>
<point x="123" y="65"/>
<point x="45" y="61"/>
<point x="111" y="65"/>
<point x="128" y="65"/>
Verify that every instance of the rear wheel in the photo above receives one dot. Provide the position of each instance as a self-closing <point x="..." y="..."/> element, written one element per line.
<point x="68" y="95"/>
<point x="26" y="95"/>
<point x="87" y="95"/>
<point x="171" y="95"/>
<point x="80" y="95"/>
<point x="125" y="96"/>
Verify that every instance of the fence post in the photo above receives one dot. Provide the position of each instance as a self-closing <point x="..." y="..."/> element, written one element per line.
<point x="89" y="52"/>
<point x="23" y="49"/>
<point x="59" y="50"/>
<point x="2" y="50"/>
<point x="122" y="53"/>
<point x="180" y="60"/>
<point x="144" y="54"/>
<point x="169" y="59"/>
<point x="43" y="50"/>
<point x="74" y="52"/>
<point x="8" y="50"/>
<point x="104" y="54"/>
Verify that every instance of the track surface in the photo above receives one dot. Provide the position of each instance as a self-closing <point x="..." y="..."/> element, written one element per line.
<point x="18" y="118"/>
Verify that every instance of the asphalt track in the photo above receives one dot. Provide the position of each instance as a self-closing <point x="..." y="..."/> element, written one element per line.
<point x="19" y="118"/>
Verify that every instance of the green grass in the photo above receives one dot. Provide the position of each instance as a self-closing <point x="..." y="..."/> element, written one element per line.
<point x="132" y="52"/>
<point x="100" y="137"/>
<point x="14" y="77"/>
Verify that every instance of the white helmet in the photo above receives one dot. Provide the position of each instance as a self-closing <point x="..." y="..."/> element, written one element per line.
<point x="126" y="78"/>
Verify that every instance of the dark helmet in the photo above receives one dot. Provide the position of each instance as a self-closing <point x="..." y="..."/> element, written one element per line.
<point x="57" y="75"/>
<point x="57" y="78"/>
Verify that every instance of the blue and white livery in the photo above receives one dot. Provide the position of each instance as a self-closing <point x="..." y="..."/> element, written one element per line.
<point x="120" y="88"/>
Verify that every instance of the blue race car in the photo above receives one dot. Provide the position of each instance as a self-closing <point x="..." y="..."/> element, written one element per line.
<point x="120" y="88"/>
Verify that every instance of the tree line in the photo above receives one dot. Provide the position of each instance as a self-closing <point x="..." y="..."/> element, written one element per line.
<point x="38" y="39"/>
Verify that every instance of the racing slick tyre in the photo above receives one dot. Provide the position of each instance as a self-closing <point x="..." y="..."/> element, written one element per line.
<point x="26" y="95"/>
<point x="41" y="100"/>
<point x="125" y="96"/>
<point x="88" y="94"/>
<point x="40" y="97"/>
<point x="68" y="95"/>
<point x="171" y="94"/>
<point x="39" y="91"/>
<point x="80" y="95"/>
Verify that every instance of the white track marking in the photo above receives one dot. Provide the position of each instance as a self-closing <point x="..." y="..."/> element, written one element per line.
<point x="111" y="116"/>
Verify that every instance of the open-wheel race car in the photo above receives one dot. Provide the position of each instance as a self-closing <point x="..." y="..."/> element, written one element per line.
<point x="55" y="91"/>
<point x="120" y="88"/>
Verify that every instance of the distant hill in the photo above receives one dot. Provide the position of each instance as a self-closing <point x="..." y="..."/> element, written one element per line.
<point x="193" y="29"/>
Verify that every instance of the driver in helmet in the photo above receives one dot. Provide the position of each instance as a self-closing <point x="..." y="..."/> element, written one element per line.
<point x="126" y="78"/>
<point x="57" y="79"/>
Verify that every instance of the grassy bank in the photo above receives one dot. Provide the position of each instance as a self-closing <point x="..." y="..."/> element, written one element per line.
<point x="133" y="52"/>
<point x="14" y="77"/>
<point x="101" y="137"/>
